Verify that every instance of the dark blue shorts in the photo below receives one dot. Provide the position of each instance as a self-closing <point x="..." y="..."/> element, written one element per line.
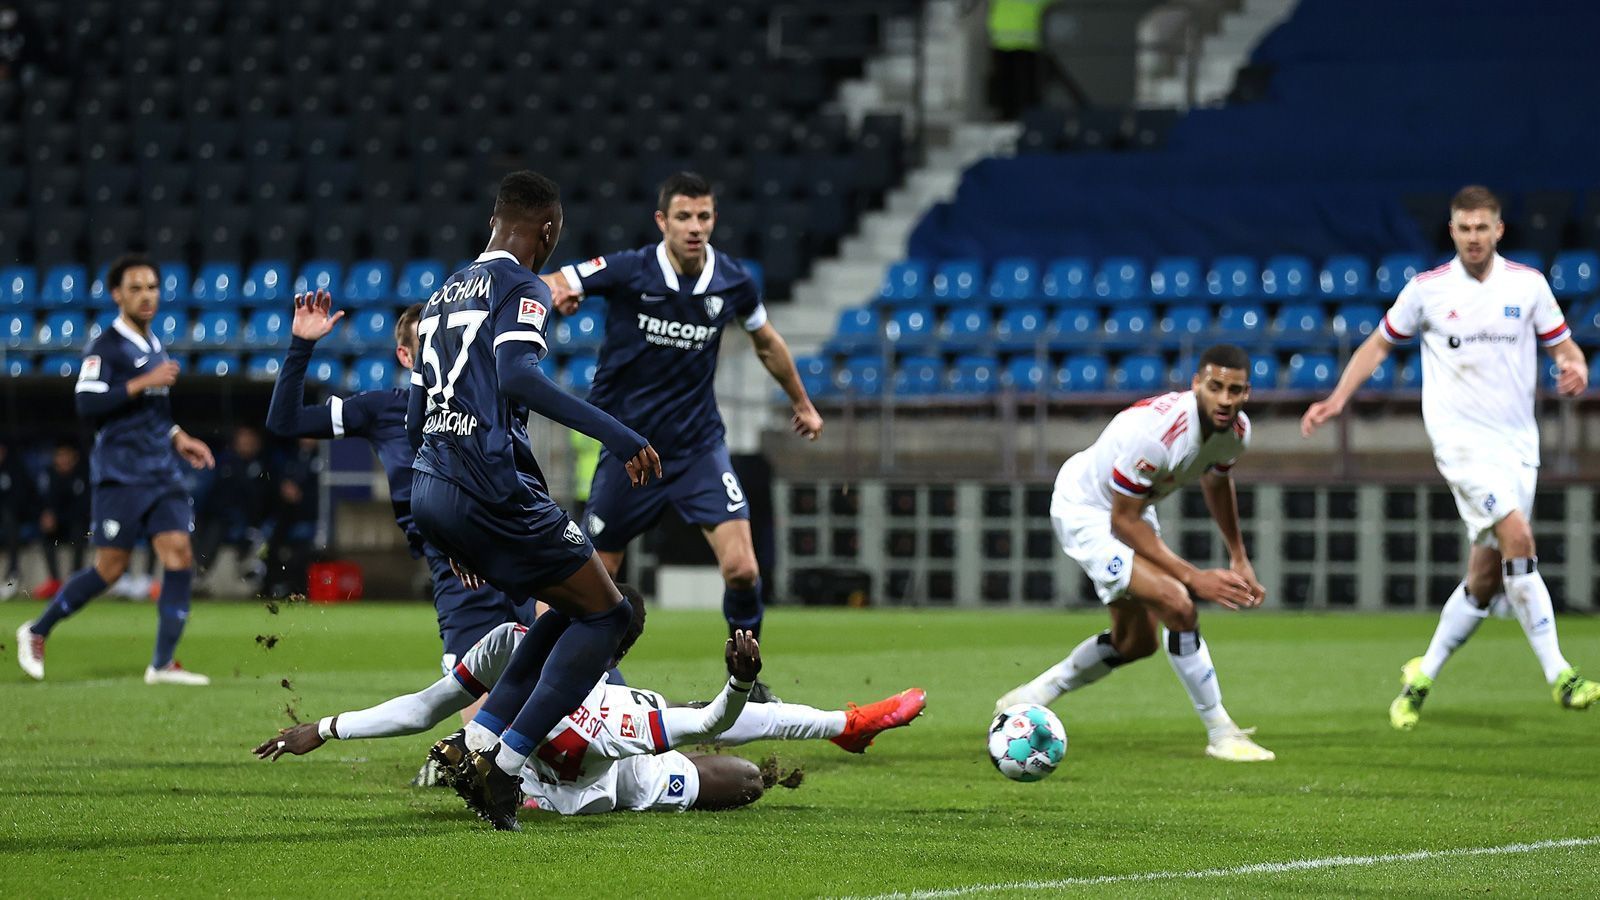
<point x="517" y="549"/>
<point x="126" y="515"/>
<point x="467" y="615"/>
<point x="702" y="488"/>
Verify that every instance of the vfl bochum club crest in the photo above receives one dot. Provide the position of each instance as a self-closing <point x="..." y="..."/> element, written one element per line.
<point x="713" y="306"/>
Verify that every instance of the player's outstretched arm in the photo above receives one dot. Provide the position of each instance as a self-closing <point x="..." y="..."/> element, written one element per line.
<point x="773" y="351"/>
<point x="288" y="415"/>
<point x="1223" y="502"/>
<point x="1223" y="587"/>
<point x="1574" y="369"/>
<point x="564" y="296"/>
<point x="410" y="714"/>
<point x="1366" y="360"/>
<point x="687" y="725"/>
<point x="517" y="364"/>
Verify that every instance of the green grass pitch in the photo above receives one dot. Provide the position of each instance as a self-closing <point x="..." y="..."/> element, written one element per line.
<point x="110" y="788"/>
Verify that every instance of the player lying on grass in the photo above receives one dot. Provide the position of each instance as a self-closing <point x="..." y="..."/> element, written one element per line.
<point x="616" y="750"/>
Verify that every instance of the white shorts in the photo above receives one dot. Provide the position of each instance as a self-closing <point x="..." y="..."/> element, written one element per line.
<point x="666" y="782"/>
<point x="1488" y="486"/>
<point x="1085" y="534"/>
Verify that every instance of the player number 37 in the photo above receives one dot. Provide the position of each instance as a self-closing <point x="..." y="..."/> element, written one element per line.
<point x="444" y="384"/>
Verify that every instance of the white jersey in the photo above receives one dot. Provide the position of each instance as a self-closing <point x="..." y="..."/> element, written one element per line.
<point x="1150" y="450"/>
<point x="1479" y="363"/>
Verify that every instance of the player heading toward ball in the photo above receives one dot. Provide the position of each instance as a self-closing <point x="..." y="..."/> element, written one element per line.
<point x="1479" y="317"/>
<point x="1103" y="512"/>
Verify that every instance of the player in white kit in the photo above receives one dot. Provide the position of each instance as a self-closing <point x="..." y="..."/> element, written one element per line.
<point x="1479" y="317"/>
<point x="1103" y="511"/>
<point x="615" y="751"/>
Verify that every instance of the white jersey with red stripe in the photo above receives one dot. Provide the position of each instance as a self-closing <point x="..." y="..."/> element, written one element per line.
<point x="1150" y="450"/>
<point x="1479" y="356"/>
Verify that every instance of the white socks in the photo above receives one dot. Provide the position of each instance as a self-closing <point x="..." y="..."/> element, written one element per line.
<point x="480" y="738"/>
<point x="1191" y="660"/>
<point x="783" y="722"/>
<point x="1090" y="661"/>
<point x="509" y="760"/>
<point x="1531" y="600"/>
<point x="1457" y="621"/>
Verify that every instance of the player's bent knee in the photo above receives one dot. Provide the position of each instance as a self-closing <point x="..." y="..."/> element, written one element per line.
<point x="1135" y="646"/>
<point x="1481" y="589"/>
<point x="110" y="563"/>
<point x="741" y="574"/>
<point x="727" y="782"/>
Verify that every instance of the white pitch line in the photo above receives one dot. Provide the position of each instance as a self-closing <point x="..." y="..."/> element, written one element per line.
<point x="1271" y="868"/>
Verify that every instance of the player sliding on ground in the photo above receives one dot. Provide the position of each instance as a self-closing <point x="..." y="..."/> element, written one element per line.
<point x="1479" y="316"/>
<point x="1103" y="511"/>
<point x="616" y="750"/>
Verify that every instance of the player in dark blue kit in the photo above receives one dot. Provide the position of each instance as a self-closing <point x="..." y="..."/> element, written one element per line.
<point x="667" y="306"/>
<point x="465" y="614"/>
<point x="475" y="497"/>
<point x="138" y="492"/>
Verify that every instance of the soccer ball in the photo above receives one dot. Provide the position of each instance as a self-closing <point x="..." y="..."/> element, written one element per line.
<point x="1027" y="742"/>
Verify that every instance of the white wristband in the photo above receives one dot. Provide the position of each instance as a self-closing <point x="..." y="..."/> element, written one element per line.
<point x="173" y="432"/>
<point x="325" y="728"/>
<point x="742" y="687"/>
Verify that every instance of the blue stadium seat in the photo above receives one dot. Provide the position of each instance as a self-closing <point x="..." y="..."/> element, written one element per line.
<point x="1020" y="328"/>
<point x="857" y="331"/>
<point x="16" y="364"/>
<point x="957" y="280"/>
<point x="757" y="273"/>
<point x="267" y="282"/>
<point x="1121" y="278"/>
<point x="263" y="367"/>
<point x="1312" y="371"/>
<point x="176" y="286"/>
<point x="1139" y="372"/>
<point x="373" y="372"/>
<point x="1185" y="324"/>
<point x="101" y="321"/>
<point x="19" y="287"/>
<point x="60" y="365"/>
<point x="1071" y="278"/>
<point x="1395" y="270"/>
<point x="904" y="282"/>
<point x="1354" y="322"/>
<point x="267" y="328"/>
<point x="1129" y="327"/>
<point x="325" y="371"/>
<point x="368" y="282"/>
<point x="217" y="283"/>
<point x="1300" y="326"/>
<point x="1382" y="377"/>
<point x="1175" y="278"/>
<point x="1287" y="276"/>
<point x="16" y="328"/>
<point x="1240" y="322"/>
<point x="1014" y="279"/>
<point x="1074" y="327"/>
<point x="912" y="328"/>
<point x="170" y="326"/>
<point x="578" y="374"/>
<point x="318" y="274"/>
<point x="1024" y="374"/>
<point x="918" y="376"/>
<point x="1575" y="273"/>
<point x="64" y="286"/>
<point x="215" y="328"/>
<point x="967" y="328"/>
<point x="419" y="279"/>
<point x="974" y="375"/>
<point x="816" y="375"/>
<point x="62" y="329"/>
<point x="1408" y="373"/>
<point x="1345" y="276"/>
<point x="1585" y="320"/>
<point x="583" y="330"/>
<point x="370" y="329"/>
<point x="1529" y="258"/>
<point x="1082" y="373"/>
<point x="100" y="292"/>
<point x="1263" y="372"/>
<point x="861" y="376"/>
<point x="1233" y="278"/>
<point x="218" y="364"/>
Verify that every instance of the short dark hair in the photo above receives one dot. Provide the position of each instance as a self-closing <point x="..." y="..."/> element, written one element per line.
<point x="526" y="195"/>
<point x="684" y="184"/>
<point x="1475" y="196"/>
<point x="1225" y="356"/>
<point x="635" y="624"/>
<point x="121" y="265"/>
<point x="407" y="322"/>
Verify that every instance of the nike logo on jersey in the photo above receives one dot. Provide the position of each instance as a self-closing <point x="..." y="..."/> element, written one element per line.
<point x="140" y="361"/>
<point x="651" y="298"/>
<point x="735" y="507"/>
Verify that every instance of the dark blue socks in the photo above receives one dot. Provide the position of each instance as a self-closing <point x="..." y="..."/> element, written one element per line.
<point x="173" y="608"/>
<point x="742" y="608"/>
<point x="73" y="596"/>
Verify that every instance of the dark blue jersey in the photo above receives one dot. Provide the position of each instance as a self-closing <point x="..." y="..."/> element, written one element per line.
<point x="133" y="435"/>
<point x="473" y="435"/>
<point x="659" y="358"/>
